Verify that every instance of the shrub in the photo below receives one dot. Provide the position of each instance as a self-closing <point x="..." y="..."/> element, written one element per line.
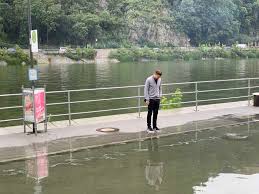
<point x="122" y="55"/>
<point x="81" y="53"/>
<point x="174" y="101"/>
<point x="213" y="52"/>
<point x="165" y="54"/>
<point x="16" y="58"/>
<point x="88" y="53"/>
<point x="251" y="54"/>
<point x="73" y="56"/>
<point x="237" y="52"/>
<point x="196" y="55"/>
<point x="22" y="56"/>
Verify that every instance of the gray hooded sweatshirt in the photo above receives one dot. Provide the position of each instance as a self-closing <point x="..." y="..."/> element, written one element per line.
<point x="152" y="89"/>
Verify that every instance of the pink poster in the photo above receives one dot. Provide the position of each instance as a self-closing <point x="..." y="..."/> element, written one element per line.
<point x="28" y="105"/>
<point x="39" y="100"/>
<point x="34" y="106"/>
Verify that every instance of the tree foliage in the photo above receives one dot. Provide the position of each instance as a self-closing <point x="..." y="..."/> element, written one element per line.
<point x="82" y="22"/>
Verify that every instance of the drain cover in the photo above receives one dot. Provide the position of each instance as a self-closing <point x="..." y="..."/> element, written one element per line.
<point x="108" y="129"/>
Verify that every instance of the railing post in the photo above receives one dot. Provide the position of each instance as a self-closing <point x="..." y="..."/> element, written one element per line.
<point x="249" y="91"/>
<point x="196" y="96"/>
<point x="35" y="130"/>
<point x="69" y="107"/>
<point x="139" y="103"/>
<point x="24" y="124"/>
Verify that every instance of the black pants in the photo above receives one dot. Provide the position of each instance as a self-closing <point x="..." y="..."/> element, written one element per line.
<point x="153" y="108"/>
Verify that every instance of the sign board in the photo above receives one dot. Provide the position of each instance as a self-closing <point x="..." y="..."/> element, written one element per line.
<point x="28" y="108"/>
<point x="34" y="105"/>
<point x="33" y="74"/>
<point x="34" y="41"/>
<point x="39" y="102"/>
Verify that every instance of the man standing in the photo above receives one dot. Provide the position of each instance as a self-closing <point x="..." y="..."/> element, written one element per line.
<point x="153" y="94"/>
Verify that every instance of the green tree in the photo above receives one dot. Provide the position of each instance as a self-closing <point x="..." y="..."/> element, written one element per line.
<point x="86" y="27"/>
<point x="247" y="13"/>
<point x="189" y="22"/>
<point x="2" y="7"/>
<point x="1" y="29"/>
<point x="142" y="22"/>
<point x="209" y="21"/>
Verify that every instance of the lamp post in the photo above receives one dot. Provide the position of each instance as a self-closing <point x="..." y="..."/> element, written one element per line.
<point x="30" y="49"/>
<point x="30" y="28"/>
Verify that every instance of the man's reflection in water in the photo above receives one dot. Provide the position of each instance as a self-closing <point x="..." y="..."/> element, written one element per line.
<point x="155" y="167"/>
<point x="37" y="167"/>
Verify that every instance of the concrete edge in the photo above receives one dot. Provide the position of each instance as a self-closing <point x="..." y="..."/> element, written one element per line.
<point x="123" y="117"/>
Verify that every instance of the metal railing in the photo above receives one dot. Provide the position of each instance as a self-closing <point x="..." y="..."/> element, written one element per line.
<point x="195" y="93"/>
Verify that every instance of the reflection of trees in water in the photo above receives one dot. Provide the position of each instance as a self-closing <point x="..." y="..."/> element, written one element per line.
<point x="37" y="167"/>
<point x="154" y="168"/>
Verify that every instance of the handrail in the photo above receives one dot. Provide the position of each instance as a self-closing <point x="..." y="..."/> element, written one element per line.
<point x="136" y="86"/>
<point x="139" y="97"/>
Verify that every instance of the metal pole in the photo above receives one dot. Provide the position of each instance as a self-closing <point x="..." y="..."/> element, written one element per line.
<point x="34" y="112"/>
<point x="249" y="91"/>
<point x="30" y="28"/>
<point x="31" y="54"/>
<point x="69" y="107"/>
<point x="139" y="103"/>
<point x="196" y="96"/>
<point x="24" y="125"/>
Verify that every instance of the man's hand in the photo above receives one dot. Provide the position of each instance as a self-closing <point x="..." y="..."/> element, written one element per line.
<point x="147" y="102"/>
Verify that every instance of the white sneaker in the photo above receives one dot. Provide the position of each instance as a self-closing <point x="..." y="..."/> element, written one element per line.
<point x="157" y="130"/>
<point x="150" y="130"/>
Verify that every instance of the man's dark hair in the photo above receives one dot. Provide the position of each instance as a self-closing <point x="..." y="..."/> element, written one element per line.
<point x="158" y="72"/>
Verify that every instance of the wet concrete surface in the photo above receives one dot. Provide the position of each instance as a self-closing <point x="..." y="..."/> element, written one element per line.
<point x="83" y="135"/>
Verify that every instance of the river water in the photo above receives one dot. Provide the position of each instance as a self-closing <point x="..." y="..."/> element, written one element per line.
<point x="78" y="76"/>
<point x="81" y="76"/>
<point x="192" y="163"/>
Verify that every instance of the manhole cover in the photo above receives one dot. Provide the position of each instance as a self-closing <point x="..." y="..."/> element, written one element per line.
<point x="108" y="129"/>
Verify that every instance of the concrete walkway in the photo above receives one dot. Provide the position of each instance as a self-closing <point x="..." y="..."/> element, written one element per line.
<point x="127" y="123"/>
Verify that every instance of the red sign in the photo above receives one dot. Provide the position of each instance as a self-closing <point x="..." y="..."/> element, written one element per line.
<point x="39" y="101"/>
<point x="34" y="105"/>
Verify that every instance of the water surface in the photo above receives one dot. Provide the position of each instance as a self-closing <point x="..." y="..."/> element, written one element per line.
<point x="80" y="76"/>
<point x="192" y="163"/>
